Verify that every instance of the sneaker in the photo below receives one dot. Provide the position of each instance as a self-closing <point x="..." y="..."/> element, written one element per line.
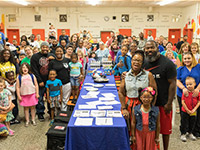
<point x="27" y="123"/>
<point x="51" y="123"/>
<point x="74" y="101"/>
<point x="11" y="133"/>
<point x="192" y="137"/>
<point x="41" y="117"/>
<point x="33" y="122"/>
<point x="183" y="138"/>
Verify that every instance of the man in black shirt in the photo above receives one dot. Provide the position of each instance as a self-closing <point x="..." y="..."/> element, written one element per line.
<point x="164" y="72"/>
<point x="178" y="45"/>
<point x="39" y="66"/>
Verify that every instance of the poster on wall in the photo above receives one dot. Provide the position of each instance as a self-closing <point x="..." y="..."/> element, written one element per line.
<point x="12" y="18"/>
<point x="150" y="18"/>
<point x="63" y="18"/>
<point x="38" y="18"/>
<point x="125" y="18"/>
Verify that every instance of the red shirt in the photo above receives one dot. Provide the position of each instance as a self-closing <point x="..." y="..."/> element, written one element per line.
<point x="190" y="101"/>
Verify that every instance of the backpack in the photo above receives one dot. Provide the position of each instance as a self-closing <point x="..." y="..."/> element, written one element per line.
<point x="20" y="79"/>
<point x="125" y="61"/>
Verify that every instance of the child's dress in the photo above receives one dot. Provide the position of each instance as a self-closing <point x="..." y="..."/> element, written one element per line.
<point x="145" y="139"/>
<point x="4" y="102"/>
<point x="27" y="91"/>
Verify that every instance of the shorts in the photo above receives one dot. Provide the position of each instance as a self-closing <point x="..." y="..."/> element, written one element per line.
<point x="165" y="121"/>
<point x="55" y="102"/>
<point x="74" y="81"/>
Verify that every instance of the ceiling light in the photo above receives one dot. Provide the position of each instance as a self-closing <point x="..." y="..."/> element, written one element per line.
<point x="166" y="2"/>
<point x="21" y="2"/>
<point x="93" y="2"/>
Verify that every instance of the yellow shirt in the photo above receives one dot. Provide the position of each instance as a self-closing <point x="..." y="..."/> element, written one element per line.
<point x="6" y="67"/>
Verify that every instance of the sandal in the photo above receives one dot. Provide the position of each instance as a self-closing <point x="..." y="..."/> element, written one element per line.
<point x="27" y="123"/>
<point x="34" y="123"/>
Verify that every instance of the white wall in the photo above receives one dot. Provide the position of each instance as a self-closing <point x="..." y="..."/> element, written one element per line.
<point x="92" y="18"/>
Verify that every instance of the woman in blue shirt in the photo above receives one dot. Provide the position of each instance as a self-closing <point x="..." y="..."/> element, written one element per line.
<point x="102" y="52"/>
<point x="189" y="68"/>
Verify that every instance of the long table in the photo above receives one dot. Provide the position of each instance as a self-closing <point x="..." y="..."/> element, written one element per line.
<point x="114" y="137"/>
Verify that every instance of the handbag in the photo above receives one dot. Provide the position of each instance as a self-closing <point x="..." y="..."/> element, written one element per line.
<point x="3" y="117"/>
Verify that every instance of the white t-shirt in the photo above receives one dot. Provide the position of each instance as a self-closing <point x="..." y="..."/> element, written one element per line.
<point x="12" y="89"/>
<point x="34" y="44"/>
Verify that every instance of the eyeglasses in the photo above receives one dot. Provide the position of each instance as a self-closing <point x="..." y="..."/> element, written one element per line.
<point x="138" y="61"/>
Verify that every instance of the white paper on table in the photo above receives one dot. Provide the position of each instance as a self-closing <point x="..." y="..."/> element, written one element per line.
<point x="83" y="122"/>
<point x="88" y="96"/>
<point x="94" y="103"/>
<point x="81" y="113"/>
<point x="89" y="84"/>
<point x="109" y="84"/>
<point x="85" y="87"/>
<point x="98" y="113"/>
<point x="106" y="98"/>
<point x="87" y="106"/>
<point x="108" y="94"/>
<point x="104" y="107"/>
<point x="93" y="93"/>
<point x="111" y="102"/>
<point x="114" y="113"/>
<point x="104" y="121"/>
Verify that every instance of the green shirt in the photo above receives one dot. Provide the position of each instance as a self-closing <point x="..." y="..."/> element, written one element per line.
<point x="27" y="60"/>
<point x="180" y="57"/>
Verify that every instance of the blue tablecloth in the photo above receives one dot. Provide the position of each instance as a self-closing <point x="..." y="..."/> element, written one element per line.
<point x="95" y="137"/>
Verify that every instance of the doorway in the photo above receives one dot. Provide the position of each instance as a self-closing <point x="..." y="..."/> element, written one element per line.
<point x="189" y="33"/>
<point x="125" y="32"/>
<point x="153" y="33"/>
<point x="13" y="34"/>
<point x="104" y="35"/>
<point x="174" y="35"/>
<point x="39" y="31"/>
<point x="59" y="33"/>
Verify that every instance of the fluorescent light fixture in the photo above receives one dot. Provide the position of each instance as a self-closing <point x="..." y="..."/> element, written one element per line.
<point x="166" y="2"/>
<point x="21" y="2"/>
<point x="94" y="2"/>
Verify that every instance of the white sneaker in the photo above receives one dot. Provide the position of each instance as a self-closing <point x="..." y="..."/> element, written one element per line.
<point x="192" y="137"/>
<point x="183" y="138"/>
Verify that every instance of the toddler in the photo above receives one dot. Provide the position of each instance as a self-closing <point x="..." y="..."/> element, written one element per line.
<point x="190" y="105"/>
<point x="5" y="103"/>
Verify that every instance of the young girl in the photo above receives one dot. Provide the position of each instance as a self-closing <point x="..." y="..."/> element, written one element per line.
<point x="27" y="92"/>
<point x="5" y="104"/>
<point x="146" y="121"/>
<point x="195" y="51"/>
<point x="80" y="57"/>
<point x="12" y="88"/>
<point x="169" y="54"/>
<point x="76" y="73"/>
<point x="35" y="50"/>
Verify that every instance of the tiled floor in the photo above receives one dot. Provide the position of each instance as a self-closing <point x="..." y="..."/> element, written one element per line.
<point x="34" y="138"/>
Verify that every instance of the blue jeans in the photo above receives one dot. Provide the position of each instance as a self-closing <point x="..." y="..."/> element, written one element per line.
<point x="74" y="81"/>
<point x="40" y="106"/>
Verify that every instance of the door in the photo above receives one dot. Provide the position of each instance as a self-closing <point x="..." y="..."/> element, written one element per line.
<point x="13" y="34"/>
<point x="126" y="32"/>
<point x="174" y="35"/>
<point x="39" y="31"/>
<point x="153" y="33"/>
<point x="59" y="32"/>
<point x="189" y="33"/>
<point x="104" y="35"/>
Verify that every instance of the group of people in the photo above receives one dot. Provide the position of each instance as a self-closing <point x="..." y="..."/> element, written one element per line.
<point x="150" y="73"/>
